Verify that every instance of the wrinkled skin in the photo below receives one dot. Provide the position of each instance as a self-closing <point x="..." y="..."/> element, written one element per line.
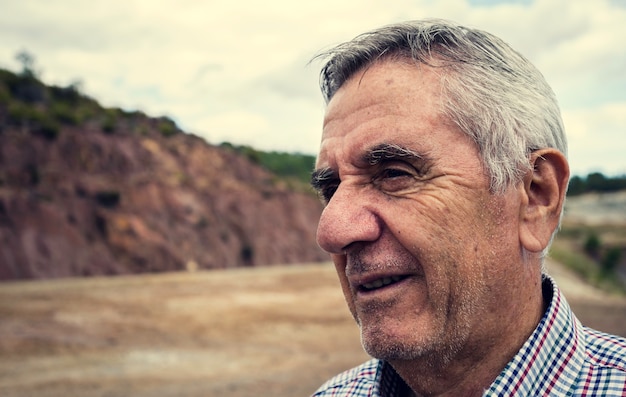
<point x="408" y="203"/>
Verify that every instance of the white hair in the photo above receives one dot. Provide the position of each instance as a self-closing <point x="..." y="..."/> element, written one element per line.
<point x="494" y="94"/>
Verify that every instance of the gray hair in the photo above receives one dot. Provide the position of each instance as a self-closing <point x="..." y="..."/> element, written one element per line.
<point x="494" y="94"/>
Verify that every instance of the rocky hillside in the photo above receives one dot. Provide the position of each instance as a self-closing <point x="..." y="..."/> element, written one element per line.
<point x="91" y="191"/>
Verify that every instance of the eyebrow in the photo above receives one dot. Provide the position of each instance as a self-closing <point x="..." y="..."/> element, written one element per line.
<point x="389" y="151"/>
<point x="322" y="176"/>
<point x="373" y="156"/>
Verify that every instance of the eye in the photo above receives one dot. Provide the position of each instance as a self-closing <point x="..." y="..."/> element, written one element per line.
<point x="395" y="178"/>
<point x="394" y="173"/>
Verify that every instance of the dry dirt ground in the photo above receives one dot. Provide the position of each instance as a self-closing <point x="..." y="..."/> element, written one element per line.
<point x="278" y="331"/>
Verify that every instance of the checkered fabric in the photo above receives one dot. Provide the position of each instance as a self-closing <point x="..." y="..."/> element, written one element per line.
<point x="561" y="358"/>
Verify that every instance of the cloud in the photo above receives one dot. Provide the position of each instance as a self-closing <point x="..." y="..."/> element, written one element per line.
<point x="596" y="138"/>
<point x="238" y="71"/>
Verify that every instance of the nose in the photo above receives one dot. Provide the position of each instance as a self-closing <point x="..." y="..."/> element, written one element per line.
<point x="346" y="220"/>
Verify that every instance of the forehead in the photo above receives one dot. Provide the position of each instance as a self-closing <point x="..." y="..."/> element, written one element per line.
<point x="387" y="103"/>
<point x="386" y="80"/>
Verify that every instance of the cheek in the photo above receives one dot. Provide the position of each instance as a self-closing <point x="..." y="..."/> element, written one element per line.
<point x="453" y="238"/>
<point x="430" y="224"/>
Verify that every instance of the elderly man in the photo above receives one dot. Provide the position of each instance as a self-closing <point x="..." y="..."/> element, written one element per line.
<point x="443" y="171"/>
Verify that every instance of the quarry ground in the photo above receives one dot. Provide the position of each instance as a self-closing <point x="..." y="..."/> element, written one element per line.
<point x="276" y="331"/>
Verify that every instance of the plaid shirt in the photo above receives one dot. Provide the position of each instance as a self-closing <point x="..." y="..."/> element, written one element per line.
<point x="561" y="358"/>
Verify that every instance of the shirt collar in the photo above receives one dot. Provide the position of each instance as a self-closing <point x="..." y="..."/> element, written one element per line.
<point x="551" y="358"/>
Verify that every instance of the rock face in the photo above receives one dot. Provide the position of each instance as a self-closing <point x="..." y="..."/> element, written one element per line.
<point x="86" y="201"/>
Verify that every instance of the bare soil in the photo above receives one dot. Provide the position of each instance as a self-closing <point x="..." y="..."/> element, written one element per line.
<point x="276" y="331"/>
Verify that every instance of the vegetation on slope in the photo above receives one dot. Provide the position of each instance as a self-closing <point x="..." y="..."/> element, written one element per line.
<point x="30" y="105"/>
<point x="294" y="168"/>
<point x="598" y="267"/>
<point x="90" y="190"/>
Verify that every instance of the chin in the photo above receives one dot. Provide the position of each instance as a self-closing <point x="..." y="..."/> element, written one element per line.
<point x="383" y="345"/>
<point x="434" y="348"/>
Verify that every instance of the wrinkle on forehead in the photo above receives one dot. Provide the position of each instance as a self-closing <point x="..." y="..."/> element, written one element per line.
<point x="376" y="73"/>
<point x="390" y="103"/>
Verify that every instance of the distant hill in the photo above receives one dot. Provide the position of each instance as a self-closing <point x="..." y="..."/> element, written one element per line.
<point x="87" y="190"/>
<point x="596" y="182"/>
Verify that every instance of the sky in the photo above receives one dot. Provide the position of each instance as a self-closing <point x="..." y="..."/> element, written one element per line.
<point x="240" y="70"/>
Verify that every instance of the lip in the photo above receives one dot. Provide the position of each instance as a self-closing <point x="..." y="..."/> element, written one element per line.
<point x="370" y="284"/>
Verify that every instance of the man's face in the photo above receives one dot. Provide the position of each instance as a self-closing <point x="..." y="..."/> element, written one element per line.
<point x="422" y="248"/>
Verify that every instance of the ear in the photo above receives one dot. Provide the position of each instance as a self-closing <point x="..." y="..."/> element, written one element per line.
<point x="543" y="197"/>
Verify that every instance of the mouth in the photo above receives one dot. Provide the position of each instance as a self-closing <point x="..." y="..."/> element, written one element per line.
<point x="380" y="283"/>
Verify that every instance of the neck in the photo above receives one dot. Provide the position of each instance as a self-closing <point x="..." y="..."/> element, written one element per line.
<point x="472" y="369"/>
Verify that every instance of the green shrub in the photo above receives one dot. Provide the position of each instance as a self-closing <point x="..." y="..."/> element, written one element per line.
<point x="48" y="128"/>
<point x="28" y="89"/>
<point x="109" y="123"/>
<point x="166" y="126"/>
<point x="20" y="113"/>
<point x="592" y="245"/>
<point x="579" y="263"/>
<point x="85" y="112"/>
<point x="27" y="116"/>
<point x="609" y="262"/>
<point x="64" y="113"/>
<point x="69" y="95"/>
<point x="5" y="95"/>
